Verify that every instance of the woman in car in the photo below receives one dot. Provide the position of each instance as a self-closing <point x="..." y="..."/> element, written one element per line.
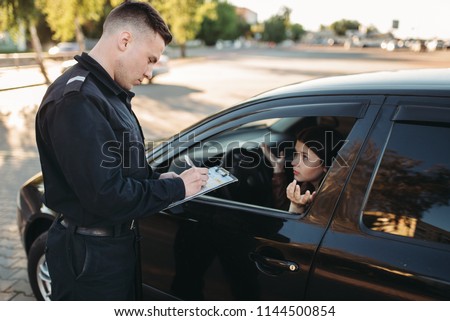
<point x="315" y="149"/>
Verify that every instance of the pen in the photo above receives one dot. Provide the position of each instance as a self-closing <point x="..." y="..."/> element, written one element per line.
<point x="188" y="161"/>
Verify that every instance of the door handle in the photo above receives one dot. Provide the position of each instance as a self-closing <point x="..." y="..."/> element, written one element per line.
<point x="268" y="264"/>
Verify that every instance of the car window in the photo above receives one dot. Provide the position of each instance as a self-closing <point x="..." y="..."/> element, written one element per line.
<point x="238" y="150"/>
<point x="410" y="195"/>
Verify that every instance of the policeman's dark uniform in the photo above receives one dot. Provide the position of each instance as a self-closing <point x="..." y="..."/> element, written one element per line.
<point x="95" y="172"/>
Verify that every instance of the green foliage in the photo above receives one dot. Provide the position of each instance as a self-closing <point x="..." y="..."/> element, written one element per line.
<point x="221" y="22"/>
<point x="184" y="17"/>
<point x="340" y="27"/>
<point x="15" y="15"/>
<point x="297" y="31"/>
<point x="12" y="11"/>
<point x="285" y="14"/>
<point x="228" y="20"/>
<point x="62" y="15"/>
<point x="278" y="27"/>
<point x="372" y="30"/>
<point x="275" y="29"/>
<point x="115" y="3"/>
<point x="243" y="28"/>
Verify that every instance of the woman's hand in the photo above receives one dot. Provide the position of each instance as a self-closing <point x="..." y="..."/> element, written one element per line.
<point x="298" y="200"/>
<point x="276" y="162"/>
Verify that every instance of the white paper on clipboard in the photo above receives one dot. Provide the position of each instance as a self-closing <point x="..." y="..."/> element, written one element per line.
<point x="218" y="177"/>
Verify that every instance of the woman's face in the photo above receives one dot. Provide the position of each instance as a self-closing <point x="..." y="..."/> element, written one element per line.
<point x="307" y="166"/>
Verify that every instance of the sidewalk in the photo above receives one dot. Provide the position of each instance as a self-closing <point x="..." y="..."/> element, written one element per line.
<point x="18" y="161"/>
<point x="26" y="76"/>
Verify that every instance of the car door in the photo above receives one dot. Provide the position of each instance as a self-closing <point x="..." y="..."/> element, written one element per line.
<point x="390" y="236"/>
<point x="219" y="248"/>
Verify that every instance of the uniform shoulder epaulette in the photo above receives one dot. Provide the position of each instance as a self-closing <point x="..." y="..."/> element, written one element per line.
<point x="76" y="81"/>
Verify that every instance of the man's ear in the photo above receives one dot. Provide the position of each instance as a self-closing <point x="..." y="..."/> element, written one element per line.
<point x="124" y="40"/>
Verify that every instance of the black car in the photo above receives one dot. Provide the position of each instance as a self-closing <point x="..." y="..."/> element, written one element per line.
<point x="378" y="229"/>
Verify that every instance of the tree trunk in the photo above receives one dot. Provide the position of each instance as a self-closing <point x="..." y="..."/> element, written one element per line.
<point x="80" y="36"/>
<point x="183" y="50"/>
<point x="36" y="43"/>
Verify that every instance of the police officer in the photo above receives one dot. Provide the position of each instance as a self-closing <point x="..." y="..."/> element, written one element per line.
<point x="92" y="155"/>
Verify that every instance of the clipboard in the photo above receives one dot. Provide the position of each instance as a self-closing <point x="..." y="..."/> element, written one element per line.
<point x="217" y="177"/>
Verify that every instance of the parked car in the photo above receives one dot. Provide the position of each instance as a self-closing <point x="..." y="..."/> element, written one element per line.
<point x="378" y="229"/>
<point x="392" y="44"/>
<point x="64" y="48"/>
<point x="418" y="45"/>
<point x="436" y="44"/>
<point x="161" y="67"/>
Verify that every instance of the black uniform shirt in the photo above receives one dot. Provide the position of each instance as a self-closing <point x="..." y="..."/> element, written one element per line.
<point x="92" y="151"/>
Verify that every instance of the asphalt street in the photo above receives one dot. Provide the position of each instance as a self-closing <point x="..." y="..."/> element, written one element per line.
<point x="206" y="82"/>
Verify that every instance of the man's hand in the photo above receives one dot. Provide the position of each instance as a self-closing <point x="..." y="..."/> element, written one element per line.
<point x="194" y="179"/>
<point x="168" y="175"/>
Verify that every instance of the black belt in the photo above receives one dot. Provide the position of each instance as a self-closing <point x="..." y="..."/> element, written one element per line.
<point x="117" y="230"/>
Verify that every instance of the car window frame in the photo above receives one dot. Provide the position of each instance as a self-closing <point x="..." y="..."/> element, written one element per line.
<point x="202" y="131"/>
<point x="359" y="106"/>
<point x="425" y="114"/>
<point x="214" y="125"/>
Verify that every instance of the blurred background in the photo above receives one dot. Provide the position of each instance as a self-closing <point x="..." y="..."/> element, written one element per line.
<point x="223" y="53"/>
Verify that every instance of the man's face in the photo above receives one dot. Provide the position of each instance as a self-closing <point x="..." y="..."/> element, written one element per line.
<point x="136" y="62"/>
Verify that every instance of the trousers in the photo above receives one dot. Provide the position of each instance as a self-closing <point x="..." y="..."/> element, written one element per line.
<point x="91" y="268"/>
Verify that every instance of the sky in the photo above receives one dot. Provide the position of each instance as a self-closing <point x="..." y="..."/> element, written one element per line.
<point x="417" y="18"/>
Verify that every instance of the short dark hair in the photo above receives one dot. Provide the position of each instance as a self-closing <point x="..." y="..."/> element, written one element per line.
<point x="139" y="14"/>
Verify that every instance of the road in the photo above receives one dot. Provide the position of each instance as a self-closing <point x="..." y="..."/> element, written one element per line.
<point x="206" y="82"/>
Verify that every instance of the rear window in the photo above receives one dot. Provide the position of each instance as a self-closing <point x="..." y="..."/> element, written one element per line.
<point x="411" y="192"/>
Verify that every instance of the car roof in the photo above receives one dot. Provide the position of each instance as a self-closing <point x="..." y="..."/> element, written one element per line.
<point x="421" y="82"/>
<point x="433" y="82"/>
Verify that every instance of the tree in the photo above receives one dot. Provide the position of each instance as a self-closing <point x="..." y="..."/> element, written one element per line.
<point x="14" y="13"/>
<point x="285" y="13"/>
<point x="297" y="31"/>
<point x="274" y="29"/>
<point x="372" y="30"/>
<point x="184" y="18"/>
<point x="209" y="29"/>
<point x="324" y="27"/>
<point x="228" y="21"/>
<point x="66" y="17"/>
<point x="340" y="27"/>
<point x="244" y="29"/>
<point x="221" y="22"/>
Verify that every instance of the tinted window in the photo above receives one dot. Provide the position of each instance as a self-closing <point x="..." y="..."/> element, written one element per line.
<point x="411" y="192"/>
<point x="238" y="151"/>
